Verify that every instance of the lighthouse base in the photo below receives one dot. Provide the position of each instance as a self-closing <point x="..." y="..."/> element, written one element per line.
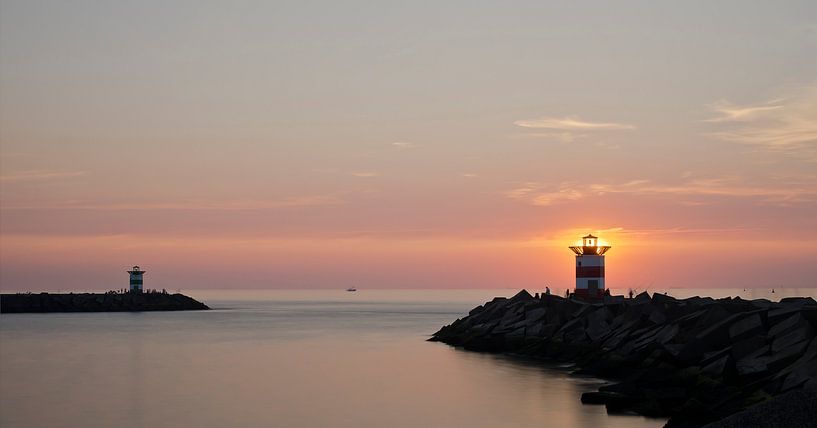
<point x="584" y="293"/>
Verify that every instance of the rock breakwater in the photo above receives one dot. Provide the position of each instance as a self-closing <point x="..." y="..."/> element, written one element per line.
<point x="696" y="360"/>
<point x="97" y="302"/>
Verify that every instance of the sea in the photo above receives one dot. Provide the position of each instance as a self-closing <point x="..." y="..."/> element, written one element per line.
<point x="289" y="358"/>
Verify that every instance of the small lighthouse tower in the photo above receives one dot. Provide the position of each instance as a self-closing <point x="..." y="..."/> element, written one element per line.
<point x="135" y="279"/>
<point x="590" y="267"/>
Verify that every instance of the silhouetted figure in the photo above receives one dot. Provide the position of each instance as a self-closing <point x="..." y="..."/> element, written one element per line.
<point x="606" y="291"/>
<point x="547" y="291"/>
<point x="567" y="293"/>
<point x="630" y="293"/>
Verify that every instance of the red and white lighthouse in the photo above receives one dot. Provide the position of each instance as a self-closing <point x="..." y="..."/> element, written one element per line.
<point x="589" y="267"/>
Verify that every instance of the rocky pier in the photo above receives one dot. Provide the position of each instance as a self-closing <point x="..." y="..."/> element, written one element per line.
<point x="697" y="361"/>
<point x="97" y="302"/>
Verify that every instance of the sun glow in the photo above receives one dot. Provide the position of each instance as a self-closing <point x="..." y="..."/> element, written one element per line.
<point x="590" y="244"/>
<point x="598" y="243"/>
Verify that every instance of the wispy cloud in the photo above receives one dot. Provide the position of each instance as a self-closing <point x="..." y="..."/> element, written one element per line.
<point x="538" y="194"/>
<point x="365" y="174"/>
<point x="728" y="112"/>
<point x="571" y="123"/>
<point x="404" y="145"/>
<point x="718" y="186"/>
<point x="620" y="230"/>
<point x="40" y="175"/>
<point x="788" y="125"/>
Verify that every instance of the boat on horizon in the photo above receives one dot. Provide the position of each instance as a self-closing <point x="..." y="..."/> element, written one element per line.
<point x="351" y="289"/>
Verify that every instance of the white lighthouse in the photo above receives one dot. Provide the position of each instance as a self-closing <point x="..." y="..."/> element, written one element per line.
<point x="590" y="267"/>
<point x="136" y="279"/>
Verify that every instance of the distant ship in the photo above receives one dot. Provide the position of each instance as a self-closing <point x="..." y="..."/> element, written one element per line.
<point x="351" y="289"/>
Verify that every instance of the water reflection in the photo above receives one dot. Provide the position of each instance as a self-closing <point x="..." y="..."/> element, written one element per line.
<point x="134" y="398"/>
<point x="548" y="391"/>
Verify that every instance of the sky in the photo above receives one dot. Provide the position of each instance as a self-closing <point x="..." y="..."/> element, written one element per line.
<point x="456" y="144"/>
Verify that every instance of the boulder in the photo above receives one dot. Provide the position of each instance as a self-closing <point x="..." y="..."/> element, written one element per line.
<point x="792" y="322"/>
<point x="642" y="297"/>
<point x="536" y="314"/>
<point x="597" y="331"/>
<point x="657" y="317"/>
<point x="718" y="332"/>
<point x="785" y="356"/>
<point x="663" y="299"/>
<point x="800" y="377"/>
<point x="611" y="399"/>
<point x="522" y="296"/>
<point x="746" y="327"/>
<point x="762" y="303"/>
<point x="782" y="312"/>
<point x="751" y="366"/>
<point x="798" y="301"/>
<point x="717" y="368"/>
<point x="790" y="338"/>
<point x="748" y="346"/>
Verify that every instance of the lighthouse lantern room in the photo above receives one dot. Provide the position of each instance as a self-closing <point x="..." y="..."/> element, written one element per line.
<point x="135" y="279"/>
<point x="589" y="267"/>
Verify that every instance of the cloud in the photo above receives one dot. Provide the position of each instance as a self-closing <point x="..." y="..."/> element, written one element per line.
<point x="620" y="230"/>
<point x="365" y="174"/>
<point x="732" y="187"/>
<point x="571" y="124"/>
<point x="535" y="194"/>
<point x="729" y="112"/>
<point x="633" y="235"/>
<point x="40" y="175"/>
<point x="789" y="127"/>
<point x="468" y="175"/>
<point x="718" y="186"/>
<point x="404" y="145"/>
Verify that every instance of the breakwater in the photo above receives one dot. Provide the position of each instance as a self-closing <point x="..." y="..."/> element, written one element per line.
<point x="97" y="302"/>
<point x="695" y="360"/>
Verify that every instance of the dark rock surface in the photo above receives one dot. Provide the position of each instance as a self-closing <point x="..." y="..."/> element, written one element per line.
<point x="97" y="302"/>
<point x="696" y="360"/>
<point x="794" y="409"/>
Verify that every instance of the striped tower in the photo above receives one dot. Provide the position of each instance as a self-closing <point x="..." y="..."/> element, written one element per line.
<point x="135" y="279"/>
<point x="589" y="268"/>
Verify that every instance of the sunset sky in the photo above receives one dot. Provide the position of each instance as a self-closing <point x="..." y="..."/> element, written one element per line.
<point x="407" y="144"/>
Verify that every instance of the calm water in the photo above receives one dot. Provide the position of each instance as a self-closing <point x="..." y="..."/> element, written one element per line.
<point x="280" y="359"/>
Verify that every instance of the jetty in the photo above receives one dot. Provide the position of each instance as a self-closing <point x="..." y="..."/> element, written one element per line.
<point x="98" y="302"/>
<point x="697" y="361"/>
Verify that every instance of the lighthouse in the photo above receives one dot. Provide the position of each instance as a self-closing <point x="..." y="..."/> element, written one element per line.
<point x="135" y="279"/>
<point x="589" y="267"/>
